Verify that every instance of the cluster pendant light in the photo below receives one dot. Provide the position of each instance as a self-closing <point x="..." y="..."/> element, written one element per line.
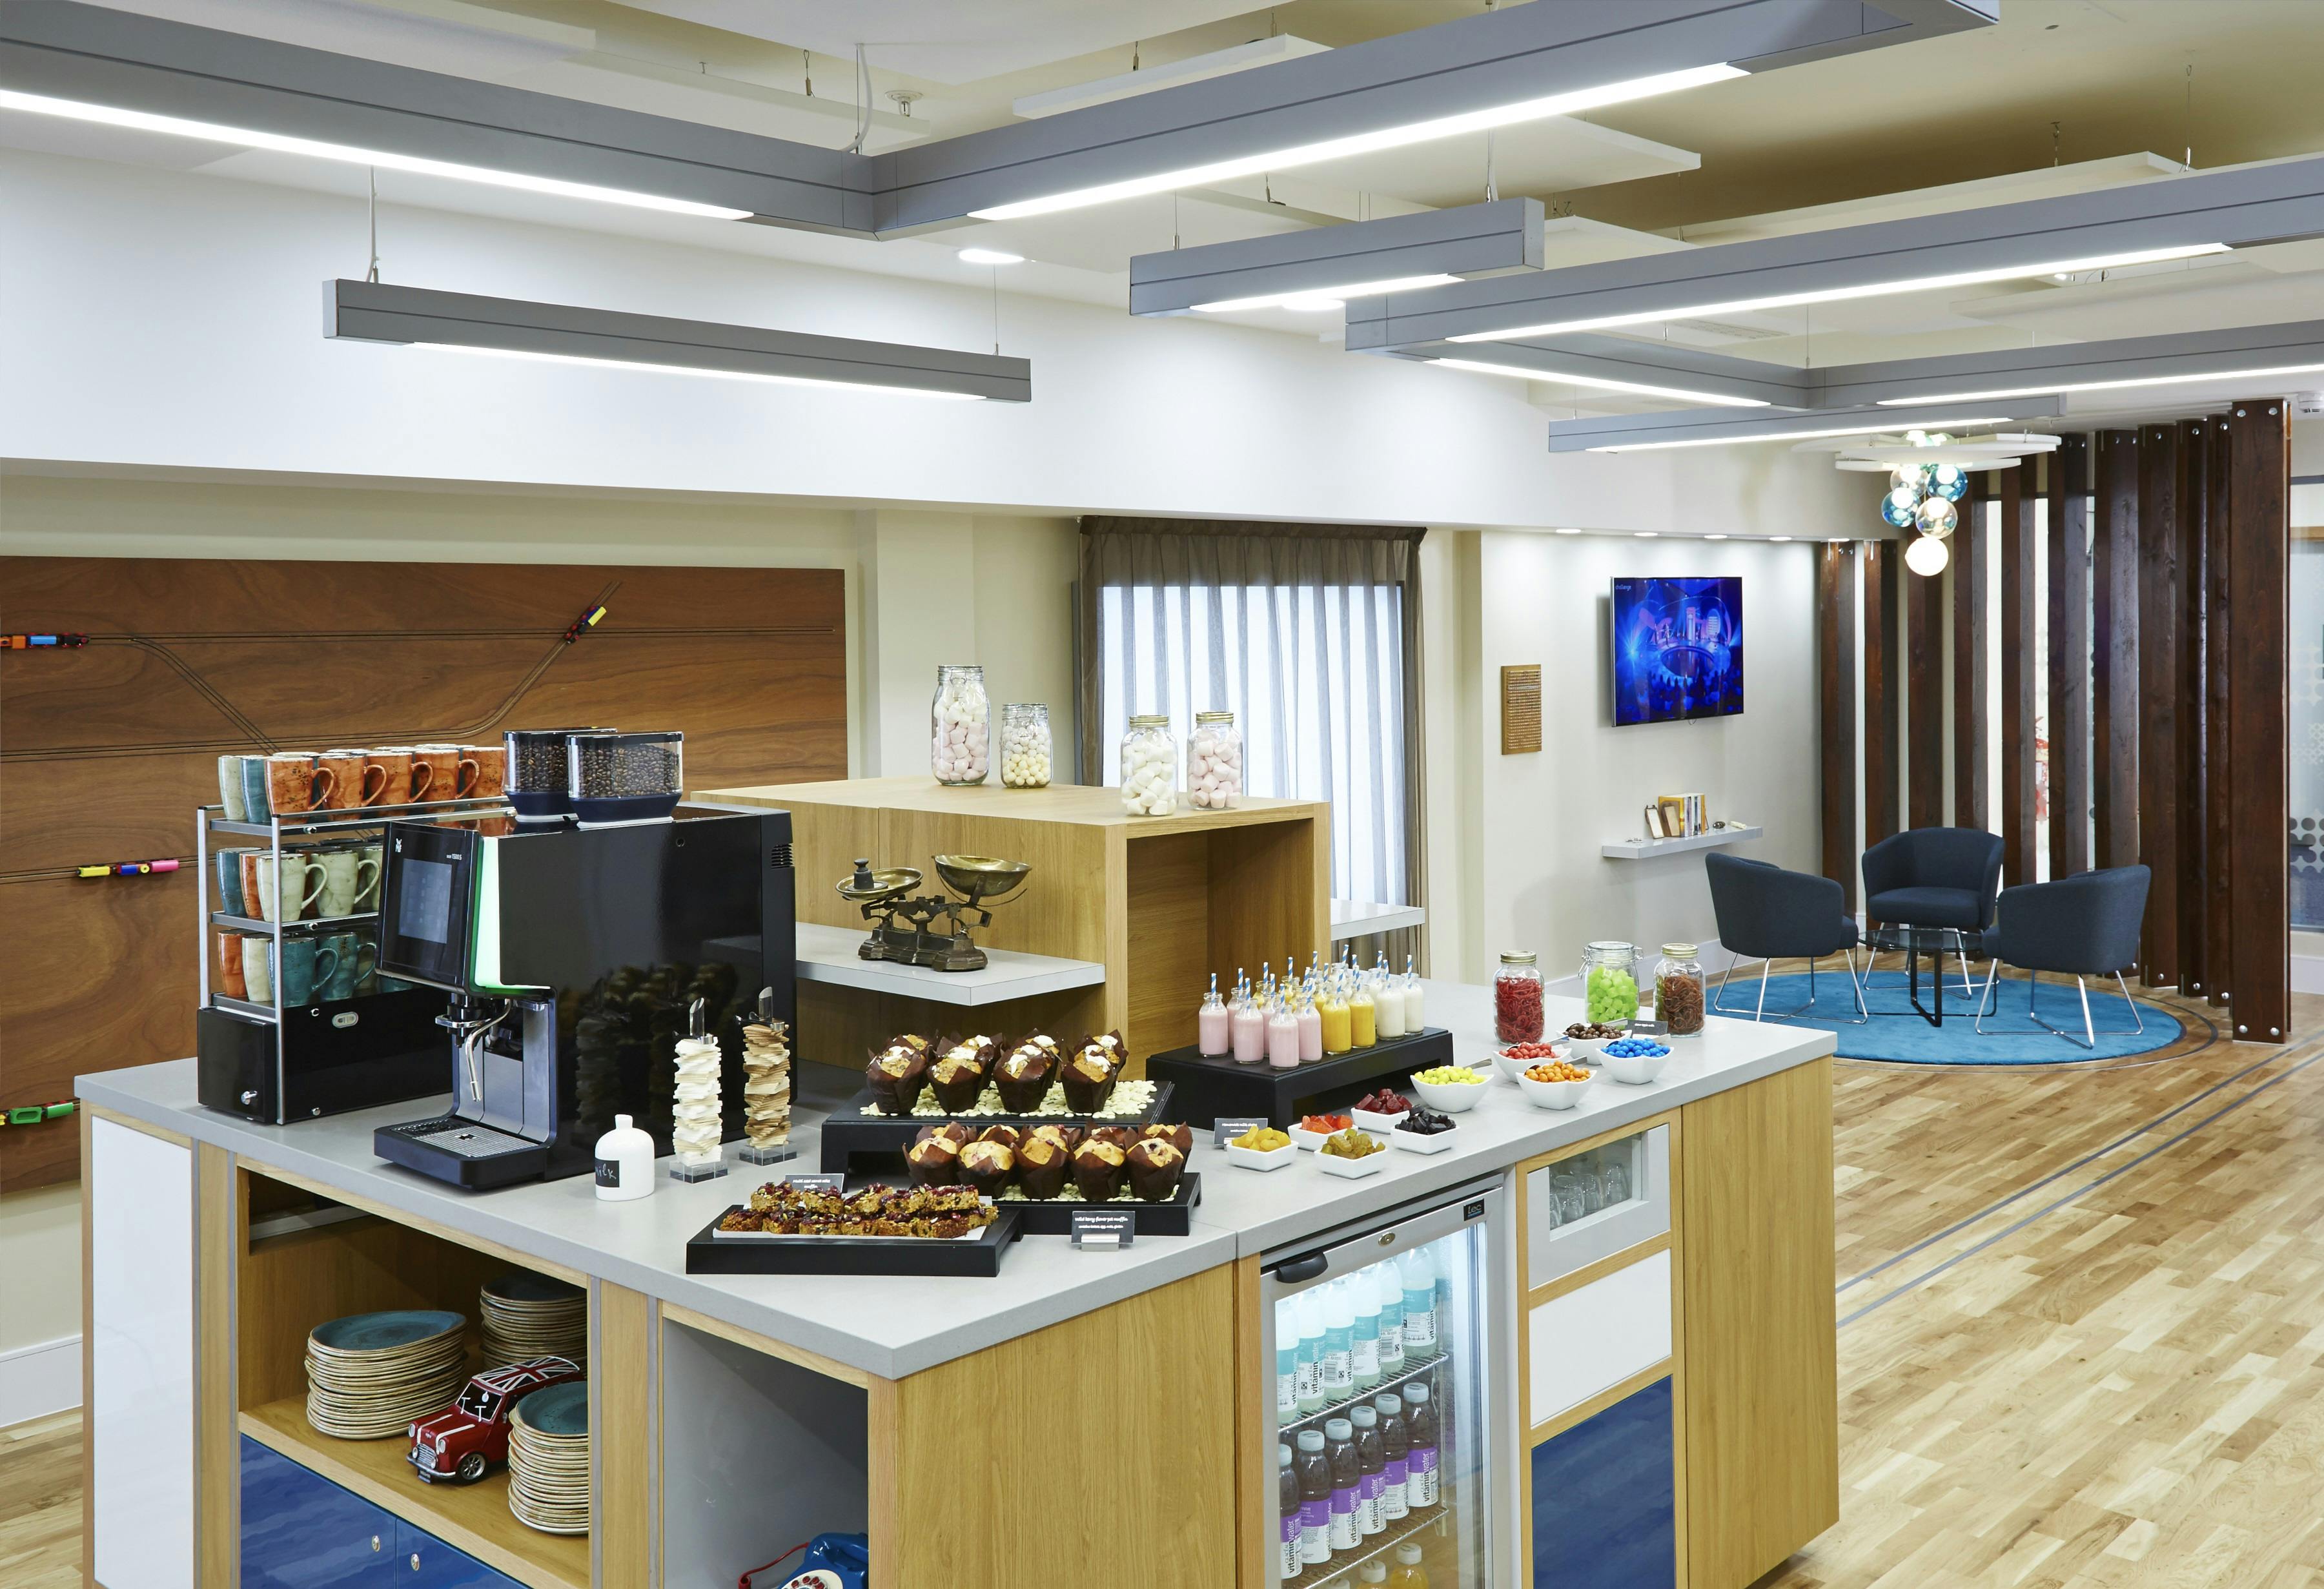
<point x="1921" y="498"/>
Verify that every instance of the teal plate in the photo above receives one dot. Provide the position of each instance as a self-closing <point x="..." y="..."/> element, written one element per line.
<point x="523" y="1286"/>
<point x="382" y="1332"/>
<point x="560" y="1409"/>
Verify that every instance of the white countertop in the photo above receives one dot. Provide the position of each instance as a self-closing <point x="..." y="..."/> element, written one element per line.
<point x="897" y="1326"/>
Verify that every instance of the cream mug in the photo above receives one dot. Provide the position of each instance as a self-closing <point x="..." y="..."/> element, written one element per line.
<point x="301" y="885"/>
<point x="257" y="967"/>
<point x="347" y="876"/>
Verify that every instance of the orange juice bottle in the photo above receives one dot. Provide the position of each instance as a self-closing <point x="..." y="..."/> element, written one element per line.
<point x="1409" y="1573"/>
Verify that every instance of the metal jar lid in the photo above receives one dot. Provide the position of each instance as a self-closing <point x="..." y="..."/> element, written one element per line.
<point x="1678" y="951"/>
<point x="1517" y="957"/>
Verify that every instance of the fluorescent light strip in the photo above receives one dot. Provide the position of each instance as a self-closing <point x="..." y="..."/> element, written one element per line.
<point x="2048" y="387"/>
<point x="1277" y="160"/>
<point x="625" y="363"/>
<point x="1792" y="435"/>
<point x="1840" y="294"/>
<point x="145" y="122"/>
<point x="1336" y="296"/>
<point x="1601" y="383"/>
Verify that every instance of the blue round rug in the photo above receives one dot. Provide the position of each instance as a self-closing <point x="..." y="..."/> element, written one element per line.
<point x="1897" y="1033"/>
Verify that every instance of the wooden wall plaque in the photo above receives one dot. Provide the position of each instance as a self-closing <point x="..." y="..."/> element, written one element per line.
<point x="106" y="751"/>
<point x="1521" y="710"/>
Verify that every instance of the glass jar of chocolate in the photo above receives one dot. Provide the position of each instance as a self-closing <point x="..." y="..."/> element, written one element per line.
<point x="1678" y="989"/>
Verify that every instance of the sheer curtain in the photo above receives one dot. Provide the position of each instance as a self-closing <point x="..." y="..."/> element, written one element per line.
<point x="1310" y="636"/>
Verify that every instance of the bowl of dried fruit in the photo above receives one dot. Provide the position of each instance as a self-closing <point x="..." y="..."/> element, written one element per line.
<point x="1351" y="1153"/>
<point x="1557" y="1085"/>
<point x="1381" y="1111"/>
<point x="1263" y="1147"/>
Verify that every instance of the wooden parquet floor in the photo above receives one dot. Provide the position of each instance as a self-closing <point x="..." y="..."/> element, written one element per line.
<point x="2081" y="1336"/>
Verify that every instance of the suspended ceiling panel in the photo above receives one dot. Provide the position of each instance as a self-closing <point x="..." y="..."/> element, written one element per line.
<point x="1533" y="159"/>
<point x="943" y="40"/>
<point x="450" y="36"/>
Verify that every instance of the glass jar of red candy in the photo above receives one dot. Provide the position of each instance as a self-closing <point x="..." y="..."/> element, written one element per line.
<point x="1517" y="999"/>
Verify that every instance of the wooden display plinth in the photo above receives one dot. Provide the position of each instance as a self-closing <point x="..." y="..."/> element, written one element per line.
<point x="1160" y="902"/>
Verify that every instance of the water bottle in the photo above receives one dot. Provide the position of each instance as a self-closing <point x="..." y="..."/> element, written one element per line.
<point x="1419" y="1305"/>
<point x="1339" y="1338"/>
<point x="1388" y="1287"/>
<point x="1309" y="1395"/>
<point x="1363" y="1344"/>
<point x="1287" y="1364"/>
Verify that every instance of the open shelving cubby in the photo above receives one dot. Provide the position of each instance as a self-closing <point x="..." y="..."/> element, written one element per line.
<point x="326" y="1260"/>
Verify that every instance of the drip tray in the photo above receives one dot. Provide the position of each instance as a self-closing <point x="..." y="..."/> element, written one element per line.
<point x="461" y="1152"/>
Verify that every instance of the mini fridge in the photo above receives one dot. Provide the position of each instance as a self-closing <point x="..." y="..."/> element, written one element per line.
<point x="1391" y="1446"/>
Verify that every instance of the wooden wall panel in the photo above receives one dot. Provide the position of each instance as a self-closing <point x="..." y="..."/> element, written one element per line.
<point x="1836" y="682"/>
<point x="106" y="751"/>
<point x="1881" y="571"/>
<point x="2068" y="487"/>
<point x="2020" y="669"/>
<point x="1924" y="708"/>
<point x="2194" y="784"/>
<point x="1967" y="575"/>
<point x="2220" y="812"/>
<point x="2114" y="639"/>
<point x="2158" y="699"/>
<point x="2259" y="498"/>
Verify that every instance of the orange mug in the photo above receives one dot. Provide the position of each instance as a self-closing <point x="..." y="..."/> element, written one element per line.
<point x="451" y="772"/>
<point x="392" y="786"/>
<point x="291" y="782"/>
<point x="339" y="780"/>
<point x="229" y="960"/>
<point x="492" y="771"/>
<point x="250" y="906"/>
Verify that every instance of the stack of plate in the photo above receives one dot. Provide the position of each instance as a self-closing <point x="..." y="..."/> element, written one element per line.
<point x="528" y="1316"/>
<point x="549" y="1459"/>
<point x="369" y="1374"/>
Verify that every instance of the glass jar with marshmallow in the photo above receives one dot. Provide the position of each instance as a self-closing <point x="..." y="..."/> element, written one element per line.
<point x="1214" y="762"/>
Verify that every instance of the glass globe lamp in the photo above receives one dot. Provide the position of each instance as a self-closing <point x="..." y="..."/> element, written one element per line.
<point x="1936" y="517"/>
<point x="1927" y="557"/>
<point x="1899" y="505"/>
<point x="1949" y="481"/>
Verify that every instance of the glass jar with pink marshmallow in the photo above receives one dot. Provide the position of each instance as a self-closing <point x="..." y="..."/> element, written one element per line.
<point x="1214" y="762"/>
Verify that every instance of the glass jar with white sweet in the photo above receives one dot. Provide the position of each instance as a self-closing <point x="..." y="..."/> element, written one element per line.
<point x="1150" y="768"/>
<point x="961" y="718"/>
<point x="1214" y="762"/>
<point x="1025" y="745"/>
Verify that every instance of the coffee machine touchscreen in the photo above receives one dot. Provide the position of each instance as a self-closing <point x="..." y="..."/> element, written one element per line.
<point x="425" y="909"/>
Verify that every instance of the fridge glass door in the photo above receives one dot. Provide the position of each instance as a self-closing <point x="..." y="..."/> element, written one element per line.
<point x="1398" y="1318"/>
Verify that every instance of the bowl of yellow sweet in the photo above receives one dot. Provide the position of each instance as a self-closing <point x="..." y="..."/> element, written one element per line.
<point x="1263" y="1147"/>
<point x="1450" y="1087"/>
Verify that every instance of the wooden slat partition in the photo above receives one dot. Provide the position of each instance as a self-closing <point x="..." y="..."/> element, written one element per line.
<point x="2219" y="814"/>
<point x="2158" y="699"/>
<point x="1836" y="680"/>
<point x="1880" y="560"/>
<point x="2194" y="783"/>
<point x="2114" y="638"/>
<point x="2259" y="495"/>
<point x="2068" y="487"/>
<point x="2020" y="669"/>
<point x="1967" y="575"/>
<point x="1925" y="704"/>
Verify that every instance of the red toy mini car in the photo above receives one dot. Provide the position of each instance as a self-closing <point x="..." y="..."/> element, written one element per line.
<point x="473" y="1433"/>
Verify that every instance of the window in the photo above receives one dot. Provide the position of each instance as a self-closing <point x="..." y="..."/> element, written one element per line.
<point x="1307" y="638"/>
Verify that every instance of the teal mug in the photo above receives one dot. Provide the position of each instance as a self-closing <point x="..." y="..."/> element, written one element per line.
<point x="303" y="965"/>
<point x="352" y="960"/>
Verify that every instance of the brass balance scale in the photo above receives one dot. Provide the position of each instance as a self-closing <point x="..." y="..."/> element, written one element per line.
<point x="903" y="928"/>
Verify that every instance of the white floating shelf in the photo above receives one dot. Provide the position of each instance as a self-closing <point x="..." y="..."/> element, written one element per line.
<point x="1638" y="849"/>
<point x="827" y="955"/>
<point x="1359" y="918"/>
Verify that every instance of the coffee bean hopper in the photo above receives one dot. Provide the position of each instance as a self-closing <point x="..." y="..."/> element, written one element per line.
<point x="904" y="927"/>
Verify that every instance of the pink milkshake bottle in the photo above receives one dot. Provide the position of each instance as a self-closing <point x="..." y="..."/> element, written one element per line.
<point x="1213" y="1038"/>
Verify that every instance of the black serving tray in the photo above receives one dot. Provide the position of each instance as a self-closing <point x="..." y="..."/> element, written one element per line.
<point x="1207" y="1090"/>
<point x="1173" y="1216"/>
<point x="710" y="1253"/>
<point x="850" y="1133"/>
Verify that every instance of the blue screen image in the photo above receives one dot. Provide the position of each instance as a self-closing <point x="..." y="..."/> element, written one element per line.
<point x="1678" y="648"/>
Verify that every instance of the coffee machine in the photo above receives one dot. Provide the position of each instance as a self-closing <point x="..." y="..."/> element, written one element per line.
<point x="571" y="960"/>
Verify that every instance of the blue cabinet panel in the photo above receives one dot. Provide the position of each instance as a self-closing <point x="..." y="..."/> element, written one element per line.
<point x="439" y="1566"/>
<point x="302" y="1531"/>
<point x="1604" y="1514"/>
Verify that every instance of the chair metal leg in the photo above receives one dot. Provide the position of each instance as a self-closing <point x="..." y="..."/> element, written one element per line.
<point x="1863" y="1009"/>
<point x="2139" y="1027"/>
<point x="1989" y="1003"/>
<point x="1761" y="1013"/>
<point x="1733" y="960"/>
<point x="1766" y="967"/>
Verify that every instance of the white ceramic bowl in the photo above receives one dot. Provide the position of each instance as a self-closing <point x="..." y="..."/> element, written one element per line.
<point x="1311" y="1139"/>
<point x="1553" y="1094"/>
<point x="1351" y="1168"/>
<point x="1510" y="1070"/>
<point x="1380" y="1125"/>
<point x="1252" y="1159"/>
<point x="1452" y="1096"/>
<point x="1585" y="1051"/>
<point x="1635" y="1069"/>
<point x="1413" y="1142"/>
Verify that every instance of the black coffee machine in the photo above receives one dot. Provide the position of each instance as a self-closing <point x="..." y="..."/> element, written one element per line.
<point x="574" y="960"/>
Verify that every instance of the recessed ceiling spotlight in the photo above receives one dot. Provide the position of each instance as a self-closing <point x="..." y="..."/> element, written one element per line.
<point x="1779" y="538"/>
<point x="1716" y="535"/>
<point x="1568" y="530"/>
<point x="992" y="256"/>
<point x="1646" y="534"/>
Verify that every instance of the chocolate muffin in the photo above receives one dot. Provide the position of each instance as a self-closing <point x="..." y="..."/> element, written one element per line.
<point x="1089" y="1077"/>
<point x="1097" y="1168"/>
<point x="1041" y="1166"/>
<point x="987" y="1165"/>
<point x="957" y="1073"/>
<point x="1008" y="1136"/>
<point x="1066" y="1137"/>
<point x="933" y="1160"/>
<point x="896" y="1076"/>
<point x="1180" y="1136"/>
<point x="1023" y="1076"/>
<point x="1155" y="1165"/>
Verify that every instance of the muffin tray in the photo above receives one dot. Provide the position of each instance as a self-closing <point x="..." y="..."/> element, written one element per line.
<point x="1173" y="1216"/>
<point x="977" y="1256"/>
<point x="850" y="1133"/>
<point x="1208" y="1089"/>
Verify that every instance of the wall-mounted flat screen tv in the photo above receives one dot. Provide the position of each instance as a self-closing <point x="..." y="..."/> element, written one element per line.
<point x="1678" y="649"/>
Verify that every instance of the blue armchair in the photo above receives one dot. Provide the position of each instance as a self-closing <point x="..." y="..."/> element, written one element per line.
<point x="1767" y="911"/>
<point x="1940" y="877"/>
<point x="2082" y="926"/>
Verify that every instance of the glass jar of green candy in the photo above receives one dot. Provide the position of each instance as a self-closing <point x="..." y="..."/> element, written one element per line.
<point x="1609" y="981"/>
